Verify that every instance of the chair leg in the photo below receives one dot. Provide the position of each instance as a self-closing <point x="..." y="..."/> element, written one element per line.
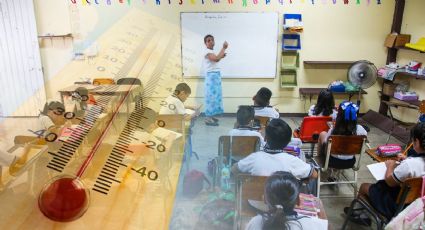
<point x="350" y="212"/>
<point x="312" y="149"/>
<point x="355" y="184"/>
<point x="318" y="184"/>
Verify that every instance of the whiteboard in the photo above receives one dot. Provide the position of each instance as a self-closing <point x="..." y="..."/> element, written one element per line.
<point x="252" y="38"/>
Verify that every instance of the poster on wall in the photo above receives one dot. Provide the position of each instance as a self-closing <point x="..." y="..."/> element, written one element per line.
<point x="252" y="43"/>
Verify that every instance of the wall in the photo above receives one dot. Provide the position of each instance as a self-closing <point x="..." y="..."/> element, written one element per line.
<point x="414" y="24"/>
<point x="331" y="32"/>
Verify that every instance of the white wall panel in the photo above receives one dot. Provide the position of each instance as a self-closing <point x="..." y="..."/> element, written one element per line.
<point x="21" y="79"/>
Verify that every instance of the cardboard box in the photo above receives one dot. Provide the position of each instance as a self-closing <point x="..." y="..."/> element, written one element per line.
<point x="390" y="40"/>
<point x="401" y="40"/>
<point x="396" y="40"/>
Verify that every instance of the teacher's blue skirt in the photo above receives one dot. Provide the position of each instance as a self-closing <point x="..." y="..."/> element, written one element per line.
<point x="213" y="94"/>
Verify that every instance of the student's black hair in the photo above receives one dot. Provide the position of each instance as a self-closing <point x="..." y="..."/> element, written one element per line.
<point x="418" y="132"/>
<point x="206" y="37"/>
<point x="281" y="195"/>
<point x="278" y="134"/>
<point x="262" y="98"/>
<point x="325" y="103"/>
<point x="245" y="114"/>
<point x="52" y="105"/>
<point x="343" y="126"/>
<point x="182" y="87"/>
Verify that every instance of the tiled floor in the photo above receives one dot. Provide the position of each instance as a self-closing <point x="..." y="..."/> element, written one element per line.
<point x="205" y="144"/>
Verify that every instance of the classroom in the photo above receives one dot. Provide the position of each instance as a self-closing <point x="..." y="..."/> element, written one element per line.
<point x="209" y="114"/>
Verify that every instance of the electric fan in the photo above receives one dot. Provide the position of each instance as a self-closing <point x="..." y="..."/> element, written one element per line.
<point x="362" y="74"/>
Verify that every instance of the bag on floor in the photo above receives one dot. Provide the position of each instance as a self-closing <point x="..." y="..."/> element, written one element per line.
<point x="193" y="183"/>
<point x="389" y="150"/>
<point x="217" y="215"/>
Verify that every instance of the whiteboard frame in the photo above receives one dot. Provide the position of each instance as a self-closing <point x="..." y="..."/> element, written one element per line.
<point x="231" y="12"/>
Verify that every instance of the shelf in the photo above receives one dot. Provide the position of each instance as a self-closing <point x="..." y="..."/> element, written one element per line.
<point x="419" y="77"/>
<point x="50" y="36"/>
<point x="397" y="102"/>
<point x="315" y="91"/>
<point x="54" y="36"/>
<point x="327" y="64"/>
<point x="407" y="48"/>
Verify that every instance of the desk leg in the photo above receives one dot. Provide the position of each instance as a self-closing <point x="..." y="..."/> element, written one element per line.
<point x="62" y="96"/>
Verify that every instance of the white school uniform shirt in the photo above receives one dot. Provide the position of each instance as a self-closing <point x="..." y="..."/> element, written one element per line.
<point x="173" y="106"/>
<point x="44" y="123"/>
<point x="207" y="64"/>
<point x="409" y="168"/>
<point x="247" y="132"/>
<point x="264" y="164"/>
<point x="311" y="113"/>
<point x="266" y="112"/>
<point x="310" y="223"/>
<point x="359" y="131"/>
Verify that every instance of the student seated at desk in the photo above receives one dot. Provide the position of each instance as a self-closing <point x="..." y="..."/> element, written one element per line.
<point x="82" y="99"/>
<point x="174" y="104"/>
<point x="281" y="195"/>
<point x="325" y="105"/>
<point x="245" y="117"/>
<point x="262" y="104"/>
<point x="273" y="158"/>
<point x="14" y="162"/>
<point x="345" y="124"/>
<point x="52" y="118"/>
<point x="383" y="194"/>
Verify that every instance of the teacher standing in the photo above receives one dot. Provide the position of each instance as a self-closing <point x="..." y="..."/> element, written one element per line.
<point x="211" y="71"/>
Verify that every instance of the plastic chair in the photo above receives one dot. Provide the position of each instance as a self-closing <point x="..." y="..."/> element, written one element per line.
<point x="341" y="145"/>
<point x="234" y="148"/>
<point x="248" y="187"/>
<point x="103" y="81"/>
<point x="410" y="191"/>
<point x="310" y="129"/>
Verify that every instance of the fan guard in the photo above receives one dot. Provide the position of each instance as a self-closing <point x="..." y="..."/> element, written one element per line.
<point x="362" y="74"/>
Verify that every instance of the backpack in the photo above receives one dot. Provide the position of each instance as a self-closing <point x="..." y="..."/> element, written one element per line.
<point x="193" y="183"/>
<point x="217" y="215"/>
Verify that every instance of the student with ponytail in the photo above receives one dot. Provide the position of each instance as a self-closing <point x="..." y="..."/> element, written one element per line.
<point x="281" y="195"/>
<point x="345" y="124"/>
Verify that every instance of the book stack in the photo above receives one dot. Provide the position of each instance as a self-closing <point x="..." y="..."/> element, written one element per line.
<point x="308" y="205"/>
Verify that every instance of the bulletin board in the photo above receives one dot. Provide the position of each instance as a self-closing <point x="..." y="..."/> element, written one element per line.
<point x="252" y="38"/>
